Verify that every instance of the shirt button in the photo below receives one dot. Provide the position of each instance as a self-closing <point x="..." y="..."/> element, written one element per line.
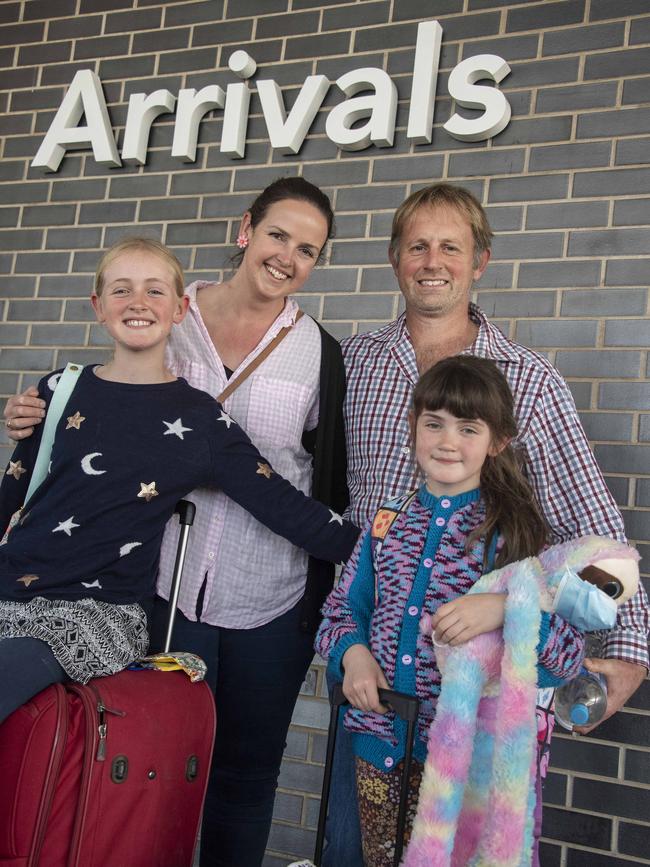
<point x="440" y="522"/>
<point x="406" y="450"/>
<point x="407" y="659"/>
<point x="445" y="503"/>
<point x="389" y="762"/>
<point x="413" y="610"/>
<point x="210" y="555"/>
<point x="428" y="562"/>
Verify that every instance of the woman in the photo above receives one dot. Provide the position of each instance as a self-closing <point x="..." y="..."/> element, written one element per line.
<point x="250" y="601"/>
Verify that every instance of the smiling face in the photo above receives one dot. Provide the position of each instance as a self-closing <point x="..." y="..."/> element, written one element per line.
<point x="451" y="451"/>
<point x="434" y="263"/>
<point x="282" y="249"/>
<point x="138" y="302"/>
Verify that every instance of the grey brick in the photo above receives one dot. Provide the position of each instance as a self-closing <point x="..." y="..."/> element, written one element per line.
<point x="257" y="179"/>
<point x="362" y="306"/>
<point x="127" y="67"/>
<point x="370" y="198"/>
<point x="129" y="22"/>
<point x="637" y="525"/>
<point x="545" y="15"/>
<point x="322" y="45"/>
<point x="184" y="61"/>
<point x="631" y="459"/>
<point x="99" y="336"/>
<point x="332" y="280"/>
<point x="497" y="276"/>
<point x="380" y="225"/>
<point x="627" y="332"/>
<point x="351" y="226"/>
<point x="632" y="151"/>
<point x="22" y="146"/>
<point x="606" y="124"/>
<point x="542" y="275"/>
<point x="535" y="73"/>
<point x="11" y="170"/>
<point x="58" y="335"/>
<point x="192" y="13"/>
<point x="50" y="52"/>
<point x="624" y="395"/>
<point x="527" y="245"/>
<point x="196" y="233"/>
<point x="21" y="239"/>
<point x="485" y="163"/>
<point x="555" y="333"/>
<point x="226" y="205"/>
<point x="619" y="489"/>
<point x="15" y="124"/>
<point x="223" y="32"/>
<point x="165" y="40"/>
<point x="107" y="212"/>
<point x="9" y="217"/>
<point x="167" y="208"/>
<point x="10" y="12"/>
<point x="21" y="34"/>
<point x="599" y="364"/>
<point x="15" y="286"/>
<point x="48" y="215"/>
<point x="269" y="51"/>
<point x="614" y="426"/>
<point x="640" y="31"/>
<point x="361" y="15"/>
<point x="70" y="285"/>
<point x="510" y="47"/>
<point x="8" y="383"/>
<point x="24" y="77"/>
<point x="287" y="807"/>
<point x="608" y="242"/>
<point x="380" y="279"/>
<point x="74" y="28"/>
<point x="535" y="130"/>
<point x="302" y="776"/>
<point x="297" y="743"/>
<point x="103" y="5"/>
<point x="63" y="239"/>
<point x="593" y="37"/>
<point x="528" y="188"/>
<point x="293" y="840"/>
<point x="519" y="304"/>
<point x="644" y="428"/>
<point x="26" y="359"/>
<point x="100" y="46"/>
<point x="616" y="64"/>
<point x="149" y="186"/>
<point x="12" y="335"/>
<point x="341" y="172"/>
<point x="79" y="311"/>
<point x="83" y="356"/>
<point x="36" y="310"/>
<point x="358" y="252"/>
<point x="603" y="302"/>
<point x="616" y="8"/>
<point x="577" y="97"/>
<point x="628" y="272"/>
<point x="212" y="259"/>
<point x="642" y="493"/>
<point x="581" y="393"/>
<point x="24" y="192"/>
<point x="426" y="168"/>
<point x="73" y="191"/>
<point x="288" y="24"/>
<point x="60" y="73"/>
<point x="567" y="215"/>
<point x="631" y="212"/>
<point x="570" y="156"/>
<point x="635" y="90"/>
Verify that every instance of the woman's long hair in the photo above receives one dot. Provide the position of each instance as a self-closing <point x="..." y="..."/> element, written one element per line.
<point x="469" y="387"/>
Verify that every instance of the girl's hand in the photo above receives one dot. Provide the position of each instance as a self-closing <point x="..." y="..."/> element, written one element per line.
<point x="456" y="622"/>
<point x="22" y="412"/>
<point x="363" y="677"/>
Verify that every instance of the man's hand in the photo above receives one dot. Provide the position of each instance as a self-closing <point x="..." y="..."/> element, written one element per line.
<point x="464" y="618"/>
<point x="363" y="677"/>
<point x="22" y="412"/>
<point x="623" y="679"/>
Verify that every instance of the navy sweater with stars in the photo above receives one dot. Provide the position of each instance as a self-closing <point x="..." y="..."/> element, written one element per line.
<point x="123" y="456"/>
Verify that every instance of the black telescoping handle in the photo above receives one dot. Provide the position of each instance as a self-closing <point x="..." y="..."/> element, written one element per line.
<point x="186" y="511"/>
<point x="405" y="706"/>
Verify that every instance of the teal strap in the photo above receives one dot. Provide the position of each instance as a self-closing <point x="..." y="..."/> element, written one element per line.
<point x="62" y="392"/>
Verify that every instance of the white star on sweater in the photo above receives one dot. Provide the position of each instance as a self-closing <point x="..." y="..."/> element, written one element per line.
<point x="66" y="526"/>
<point x="226" y="418"/>
<point x="336" y="518"/>
<point x="176" y="428"/>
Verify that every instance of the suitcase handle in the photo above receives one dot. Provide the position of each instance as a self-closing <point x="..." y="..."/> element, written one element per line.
<point x="407" y="708"/>
<point x="186" y="510"/>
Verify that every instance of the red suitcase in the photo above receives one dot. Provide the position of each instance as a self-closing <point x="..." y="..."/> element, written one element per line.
<point x="111" y="774"/>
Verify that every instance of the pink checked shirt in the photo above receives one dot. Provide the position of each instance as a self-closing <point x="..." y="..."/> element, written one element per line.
<point x="252" y="574"/>
<point x="381" y="373"/>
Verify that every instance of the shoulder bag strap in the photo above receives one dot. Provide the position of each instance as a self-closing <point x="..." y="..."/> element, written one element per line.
<point x="255" y="363"/>
<point x="62" y="392"/>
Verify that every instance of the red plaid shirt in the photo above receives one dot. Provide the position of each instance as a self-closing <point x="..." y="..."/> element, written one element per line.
<point x="382" y="371"/>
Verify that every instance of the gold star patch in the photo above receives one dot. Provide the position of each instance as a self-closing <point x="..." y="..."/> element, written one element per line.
<point x="16" y="469"/>
<point x="148" y="492"/>
<point x="75" y="421"/>
<point x="264" y="470"/>
<point x="27" y="579"/>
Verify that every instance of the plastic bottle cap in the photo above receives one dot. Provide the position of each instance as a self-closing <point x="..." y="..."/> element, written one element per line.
<point x="579" y="714"/>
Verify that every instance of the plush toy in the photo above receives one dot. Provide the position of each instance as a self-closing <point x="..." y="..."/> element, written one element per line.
<point x="478" y="789"/>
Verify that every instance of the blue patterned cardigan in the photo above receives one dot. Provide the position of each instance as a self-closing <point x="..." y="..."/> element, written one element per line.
<point x="385" y="590"/>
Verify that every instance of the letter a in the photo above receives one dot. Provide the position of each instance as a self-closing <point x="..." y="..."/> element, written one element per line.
<point x="84" y="97"/>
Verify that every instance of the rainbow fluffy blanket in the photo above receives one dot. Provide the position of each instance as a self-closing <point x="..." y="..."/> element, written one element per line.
<point x="477" y="796"/>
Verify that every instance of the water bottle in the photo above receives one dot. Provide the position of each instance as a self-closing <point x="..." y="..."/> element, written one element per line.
<point x="582" y="701"/>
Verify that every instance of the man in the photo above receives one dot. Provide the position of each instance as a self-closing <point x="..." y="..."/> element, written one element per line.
<point x="440" y="245"/>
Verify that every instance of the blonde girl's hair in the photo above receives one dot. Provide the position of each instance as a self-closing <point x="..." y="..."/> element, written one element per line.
<point x="146" y="245"/>
<point x="469" y="387"/>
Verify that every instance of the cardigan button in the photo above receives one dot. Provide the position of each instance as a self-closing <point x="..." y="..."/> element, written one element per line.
<point x="428" y="562"/>
<point x="413" y="610"/>
<point x="407" y="659"/>
<point x="445" y="503"/>
<point x="440" y="522"/>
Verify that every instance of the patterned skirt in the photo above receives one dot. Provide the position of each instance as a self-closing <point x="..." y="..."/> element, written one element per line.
<point x="89" y="638"/>
<point x="378" y="793"/>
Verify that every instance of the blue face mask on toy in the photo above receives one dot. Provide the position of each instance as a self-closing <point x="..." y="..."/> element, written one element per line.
<point x="583" y="604"/>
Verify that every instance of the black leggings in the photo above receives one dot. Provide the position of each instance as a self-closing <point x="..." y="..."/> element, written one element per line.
<point x="27" y="665"/>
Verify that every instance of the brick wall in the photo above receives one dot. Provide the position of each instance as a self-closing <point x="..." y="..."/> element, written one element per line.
<point x="566" y="185"/>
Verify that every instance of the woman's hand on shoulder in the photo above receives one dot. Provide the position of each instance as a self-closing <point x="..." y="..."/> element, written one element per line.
<point x="464" y="618"/>
<point x="23" y="412"/>
<point x="363" y="677"/>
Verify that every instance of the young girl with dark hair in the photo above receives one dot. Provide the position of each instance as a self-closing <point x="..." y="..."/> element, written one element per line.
<point x="418" y="559"/>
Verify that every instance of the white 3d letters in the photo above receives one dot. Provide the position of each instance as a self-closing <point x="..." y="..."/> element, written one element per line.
<point x="288" y="133"/>
<point x="379" y="107"/>
<point x="462" y="88"/>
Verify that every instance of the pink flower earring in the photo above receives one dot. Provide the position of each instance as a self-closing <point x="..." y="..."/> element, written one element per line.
<point x="242" y="241"/>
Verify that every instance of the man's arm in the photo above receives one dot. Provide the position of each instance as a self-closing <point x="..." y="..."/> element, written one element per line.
<point x="576" y="502"/>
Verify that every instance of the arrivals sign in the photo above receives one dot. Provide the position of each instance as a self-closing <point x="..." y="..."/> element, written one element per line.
<point x="365" y="117"/>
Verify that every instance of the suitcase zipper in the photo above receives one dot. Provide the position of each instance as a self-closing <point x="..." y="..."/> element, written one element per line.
<point x="102" y="727"/>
